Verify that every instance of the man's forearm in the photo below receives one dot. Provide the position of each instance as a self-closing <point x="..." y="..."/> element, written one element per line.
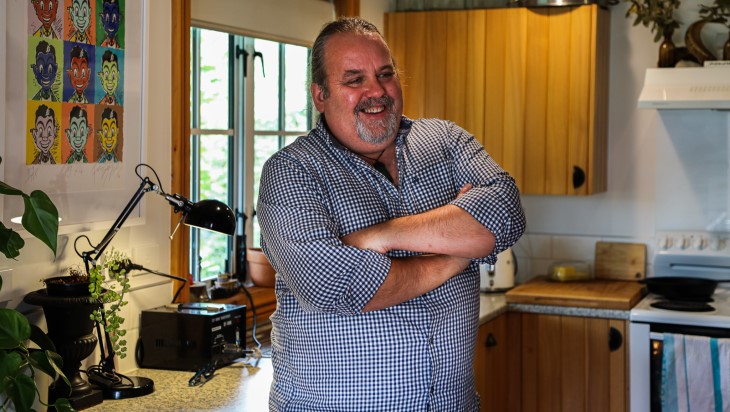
<point x="412" y="277"/>
<point x="445" y="230"/>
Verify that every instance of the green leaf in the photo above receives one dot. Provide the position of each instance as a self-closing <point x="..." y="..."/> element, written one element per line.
<point x="10" y="366"/>
<point x="41" y="218"/>
<point x="22" y="391"/>
<point x="6" y="189"/>
<point x="40" y="338"/>
<point x="45" y="361"/>
<point x="10" y="242"/>
<point x="14" y="329"/>
<point x="63" y="405"/>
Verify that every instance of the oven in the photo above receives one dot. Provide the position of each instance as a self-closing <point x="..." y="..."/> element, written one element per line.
<point x="673" y="345"/>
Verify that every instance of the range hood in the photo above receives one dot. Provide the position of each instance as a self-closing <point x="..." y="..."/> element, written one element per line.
<point x="686" y="88"/>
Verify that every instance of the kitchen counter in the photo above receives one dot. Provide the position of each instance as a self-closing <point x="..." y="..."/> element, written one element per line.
<point x="232" y="388"/>
<point x="236" y="387"/>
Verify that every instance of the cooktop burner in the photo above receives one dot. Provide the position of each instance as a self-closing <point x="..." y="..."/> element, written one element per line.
<point x="683" y="305"/>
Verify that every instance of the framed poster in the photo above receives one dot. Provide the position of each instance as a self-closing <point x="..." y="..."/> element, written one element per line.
<point x="74" y="109"/>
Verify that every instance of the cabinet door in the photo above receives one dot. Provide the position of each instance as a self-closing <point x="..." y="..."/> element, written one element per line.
<point x="530" y="84"/>
<point x="573" y="364"/>
<point x="497" y="364"/>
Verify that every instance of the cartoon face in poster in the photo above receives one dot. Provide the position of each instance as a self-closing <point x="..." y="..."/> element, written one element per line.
<point x="44" y="70"/>
<point x="110" y="76"/>
<point x="43" y="19"/>
<point x="110" y="23"/>
<point x="42" y="123"/>
<point x="80" y="21"/>
<point x="109" y="127"/>
<point x="77" y="144"/>
<point x="78" y="86"/>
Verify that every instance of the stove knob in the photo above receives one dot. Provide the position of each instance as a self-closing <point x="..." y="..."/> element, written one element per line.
<point x="698" y="243"/>
<point x="665" y="242"/>
<point x="682" y="242"/>
<point x="716" y="243"/>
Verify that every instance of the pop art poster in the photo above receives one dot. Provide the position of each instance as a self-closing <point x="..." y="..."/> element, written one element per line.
<point x="44" y="19"/>
<point x="78" y="84"/>
<point x="43" y="125"/>
<point x="109" y="127"/>
<point x="45" y="64"/>
<point x="77" y="143"/>
<point x="110" y="23"/>
<point x="109" y="76"/>
<point x="79" y="21"/>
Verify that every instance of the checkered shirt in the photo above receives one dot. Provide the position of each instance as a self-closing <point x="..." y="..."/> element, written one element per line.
<point x="327" y="354"/>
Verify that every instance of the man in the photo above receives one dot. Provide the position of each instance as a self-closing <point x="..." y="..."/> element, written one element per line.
<point x="44" y="135"/>
<point x="108" y="136"/>
<point x="79" y="75"/>
<point x="375" y="225"/>
<point x="45" y="69"/>
<point x="111" y="19"/>
<point x="80" y="15"/>
<point x="78" y="134"/>
<point x="109" y="77"/>
<point x="46" y="13"/>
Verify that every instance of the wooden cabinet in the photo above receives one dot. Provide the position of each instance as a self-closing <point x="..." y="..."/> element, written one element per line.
<point x="534" y="362"/>
<point x="573" y="364"/>
<point x="497" y="364"/>
<point x="530" y="84"/>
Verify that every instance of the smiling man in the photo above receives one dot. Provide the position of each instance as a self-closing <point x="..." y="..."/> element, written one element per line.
<point x="376" y="225"/>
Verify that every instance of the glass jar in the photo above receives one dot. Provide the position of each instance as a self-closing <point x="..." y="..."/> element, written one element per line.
<point x="568" y="271"/>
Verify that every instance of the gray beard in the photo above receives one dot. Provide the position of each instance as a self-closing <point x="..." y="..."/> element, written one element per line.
<point x="377" y="132"/>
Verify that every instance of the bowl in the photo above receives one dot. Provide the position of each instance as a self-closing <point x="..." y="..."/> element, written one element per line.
<point x="259" y="268"/>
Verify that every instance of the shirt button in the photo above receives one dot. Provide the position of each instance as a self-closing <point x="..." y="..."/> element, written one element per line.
<point x="430" y="340"/>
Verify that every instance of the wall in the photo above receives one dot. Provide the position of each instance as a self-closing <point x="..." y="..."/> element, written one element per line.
<point x="666" y="170"/>
<point x="147" y="242"/>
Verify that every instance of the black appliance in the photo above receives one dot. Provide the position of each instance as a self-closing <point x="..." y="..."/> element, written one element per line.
<point x="190" y="336"/>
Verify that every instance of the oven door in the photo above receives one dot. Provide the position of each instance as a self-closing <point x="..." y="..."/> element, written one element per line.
<point x="656" y="354"/>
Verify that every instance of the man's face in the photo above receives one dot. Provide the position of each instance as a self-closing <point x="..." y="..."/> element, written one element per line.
<point x="44" y="133"/>
<point x="80" y="13"/>
<point x="46" y="11"/>
<point x="365" y="101"/>
<point x="108" y="135"/>
<point x="79" y="73"/>
<point x="77" y="133"/>
<point x="110" y="19"/>
<point x="45" y="68"/>
<point x="109" y="76"/>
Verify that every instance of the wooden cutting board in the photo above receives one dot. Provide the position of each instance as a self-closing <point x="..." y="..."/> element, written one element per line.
<point x="620" y="261"/>
<point x="597" y="293"/>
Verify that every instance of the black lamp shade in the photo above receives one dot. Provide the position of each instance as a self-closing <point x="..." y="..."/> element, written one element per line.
<point x="212" y="215"/>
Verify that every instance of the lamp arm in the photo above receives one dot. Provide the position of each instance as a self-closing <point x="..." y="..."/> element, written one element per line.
<point x="144" y="187"/>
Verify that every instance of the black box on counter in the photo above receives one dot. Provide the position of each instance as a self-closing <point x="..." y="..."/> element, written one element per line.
<point x="189" y="336"/>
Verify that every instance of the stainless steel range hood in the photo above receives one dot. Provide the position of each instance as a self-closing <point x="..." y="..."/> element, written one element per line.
<point x="686" y="88"/>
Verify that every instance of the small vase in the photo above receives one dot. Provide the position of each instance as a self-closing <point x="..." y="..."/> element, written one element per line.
<point x="667" y="52"/>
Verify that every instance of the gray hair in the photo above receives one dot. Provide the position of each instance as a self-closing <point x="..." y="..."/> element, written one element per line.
<point x="354" y="25"/>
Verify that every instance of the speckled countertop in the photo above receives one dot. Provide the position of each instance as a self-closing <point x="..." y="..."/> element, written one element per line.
<point x="240" y="388"/>
<point x="235" y="387"/>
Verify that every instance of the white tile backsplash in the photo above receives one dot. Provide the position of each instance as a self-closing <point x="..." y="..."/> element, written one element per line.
<point x="536" y="252"/>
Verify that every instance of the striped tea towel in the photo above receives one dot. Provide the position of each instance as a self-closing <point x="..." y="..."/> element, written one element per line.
<point x="695" y="374"/>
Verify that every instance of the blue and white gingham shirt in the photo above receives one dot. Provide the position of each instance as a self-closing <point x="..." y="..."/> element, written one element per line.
<point x="418" y="355"/>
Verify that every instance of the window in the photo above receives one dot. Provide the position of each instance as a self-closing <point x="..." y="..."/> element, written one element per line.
<point x="249" y="98"/>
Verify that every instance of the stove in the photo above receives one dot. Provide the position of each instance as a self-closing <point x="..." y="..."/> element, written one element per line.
<point x="677" y="254"/>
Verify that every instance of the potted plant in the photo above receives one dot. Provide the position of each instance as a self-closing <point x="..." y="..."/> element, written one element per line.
<point x="19" y="363"/>
<point x="658" y="16"/>
<point x="111" y="297"/>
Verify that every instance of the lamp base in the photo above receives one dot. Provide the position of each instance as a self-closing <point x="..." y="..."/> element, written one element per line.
<point x="128" y="387"/>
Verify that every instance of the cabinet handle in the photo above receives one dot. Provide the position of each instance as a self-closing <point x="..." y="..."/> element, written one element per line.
<point x="579" y="177"/>
<point x="615" y="339"/>
<point x="491" y="342"/>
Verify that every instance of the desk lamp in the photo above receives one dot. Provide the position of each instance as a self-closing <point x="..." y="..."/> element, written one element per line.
<point x="205" y="214"/>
